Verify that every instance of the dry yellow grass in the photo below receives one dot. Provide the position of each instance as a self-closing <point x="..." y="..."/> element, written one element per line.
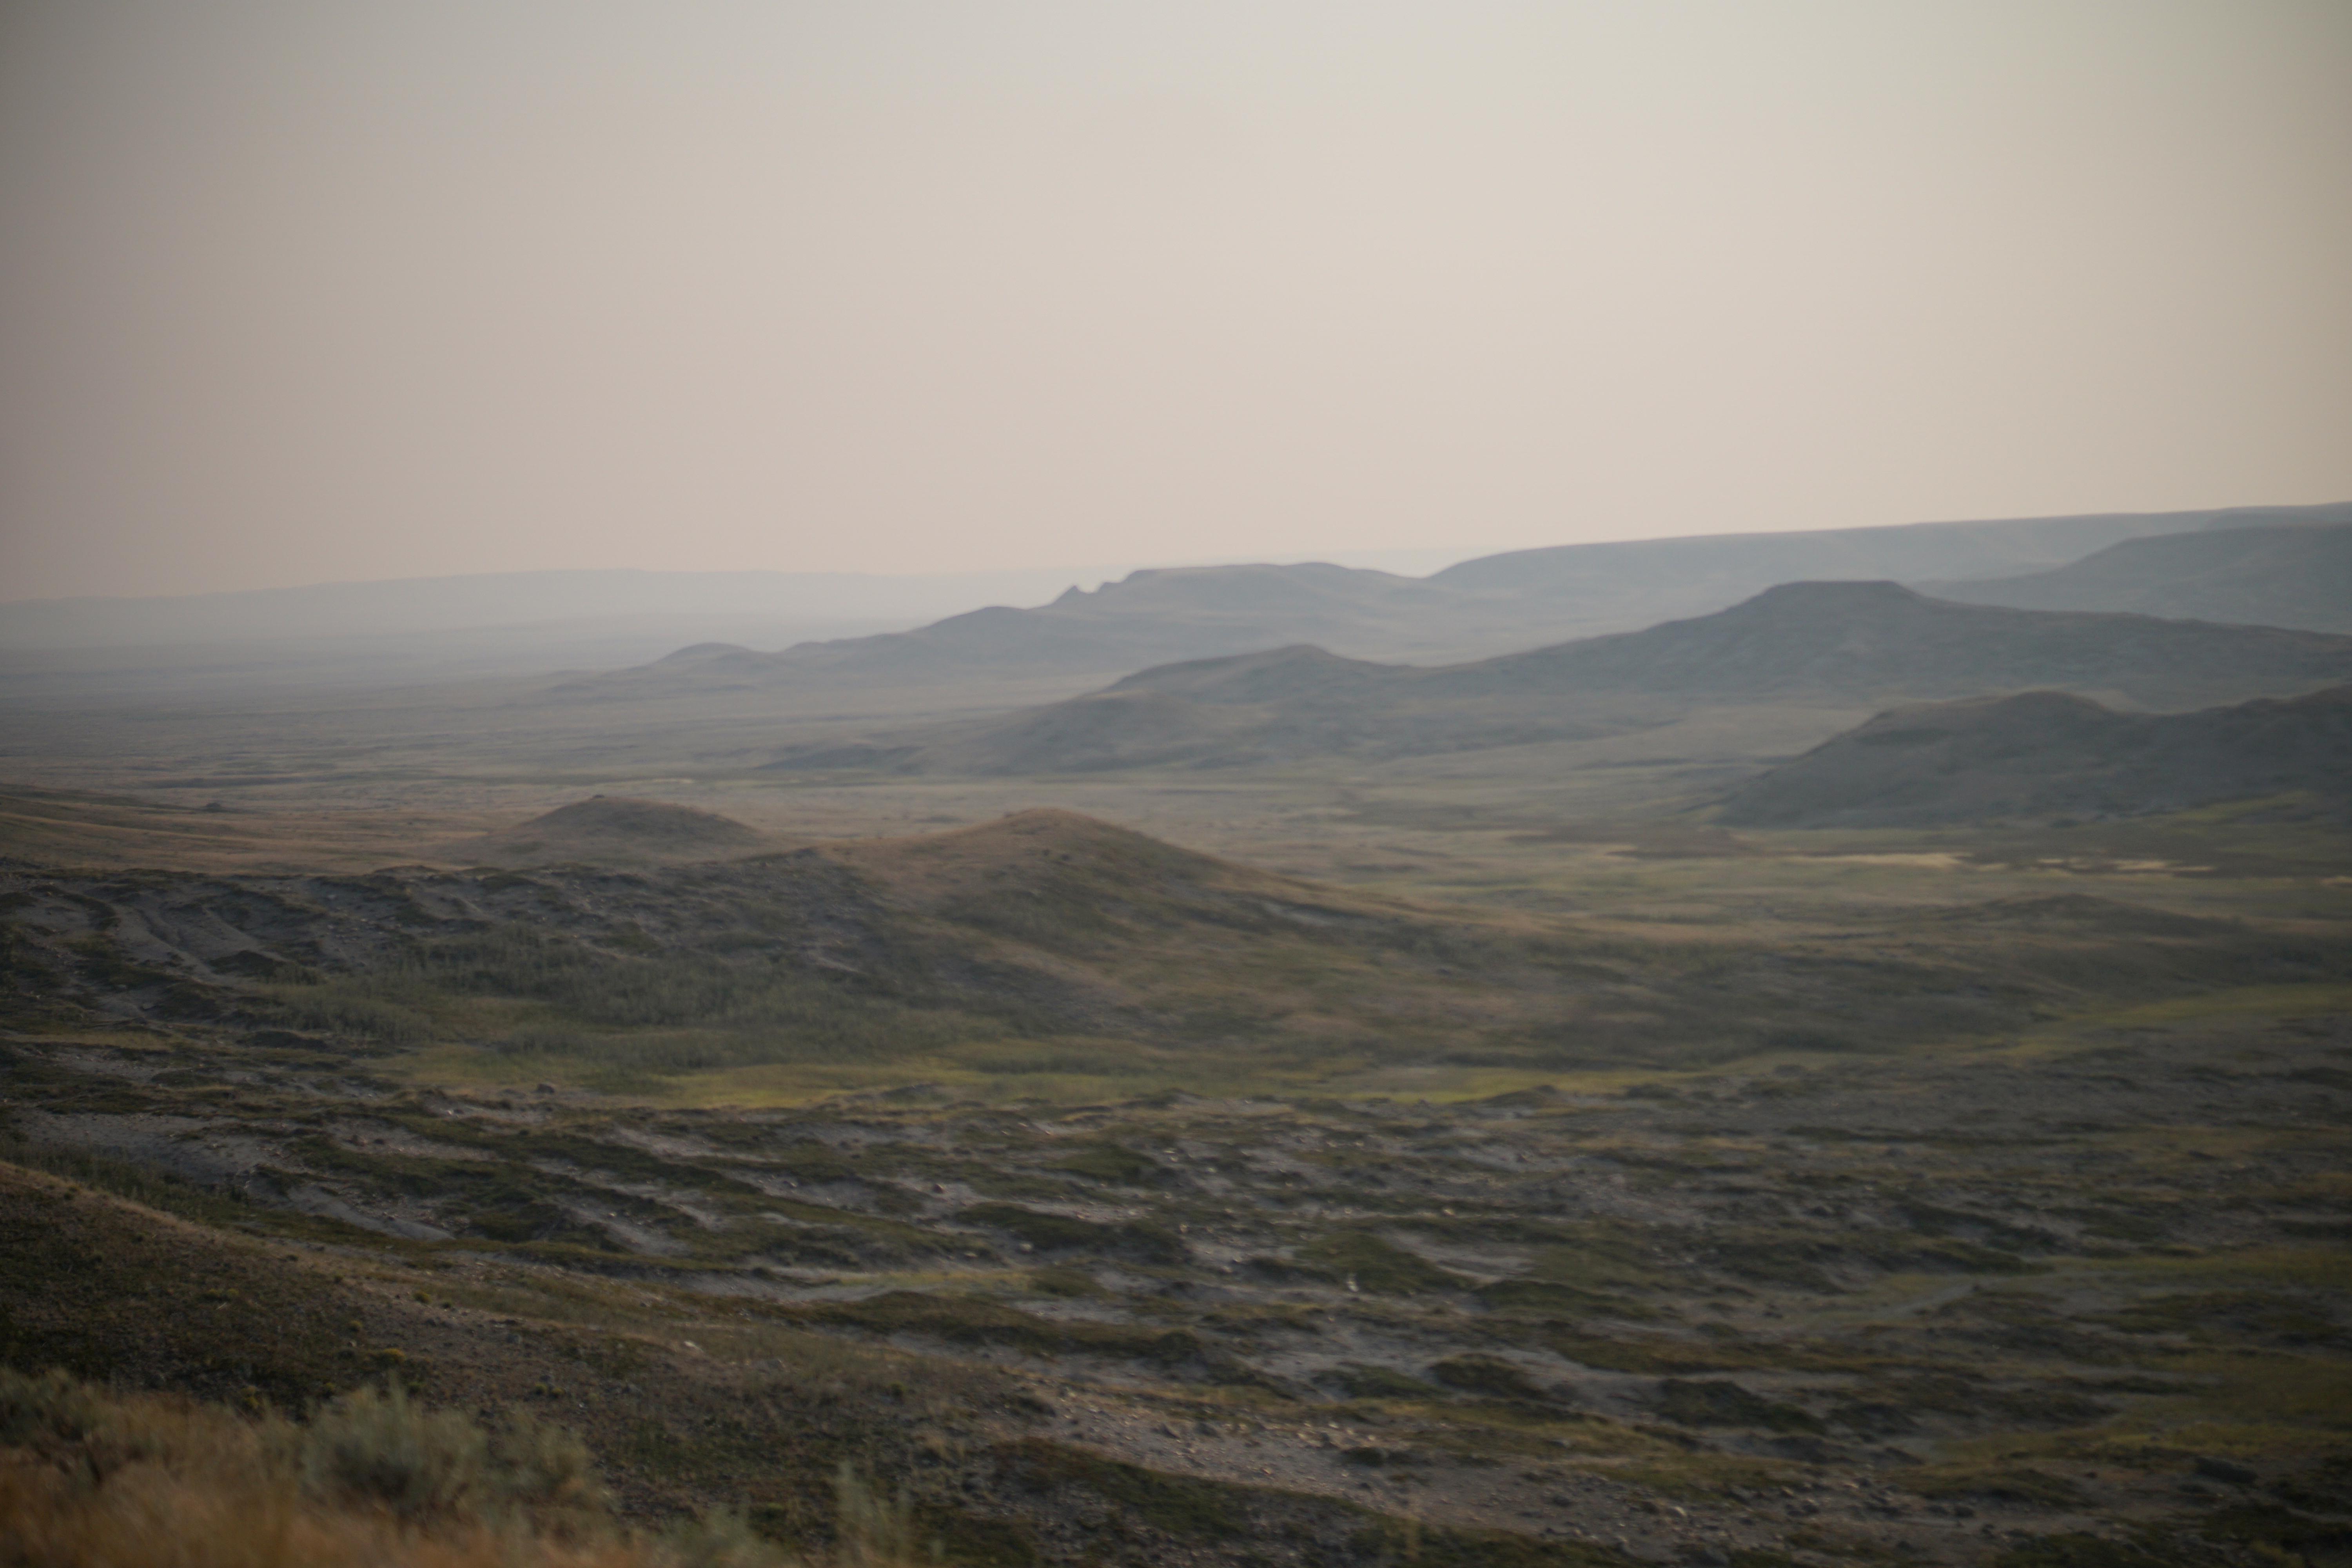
<point x="109" y="1480"/>
<point x="166" y="1484"/>
<point x="192" y="1515"/>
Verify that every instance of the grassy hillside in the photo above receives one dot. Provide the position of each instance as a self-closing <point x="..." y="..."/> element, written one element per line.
<point x="1043" y="954"/>
<point x="1965" y="1198"/>
<point x="2045" y="755"/>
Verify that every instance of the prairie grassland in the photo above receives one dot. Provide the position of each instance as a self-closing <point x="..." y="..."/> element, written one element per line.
<point x="1501" y="1167"/>
<point x="1047" y="955"/>
<point x="1964" y="1306"/>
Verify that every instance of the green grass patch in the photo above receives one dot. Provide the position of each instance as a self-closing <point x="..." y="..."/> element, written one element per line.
<point x="1485" y="1375"/>
<point x="1681" y="1472"/>
<point x="2000" y="1482"/>
<point x="1357" y="1379"/>
<point x="966" y="1320"/>
<point x="1375" y="1264"/>
<point x="1717" y="1403"/>
<point x="1110" y="1162"/>
<point x="1185" y="1507"/>
<point x="1138" y="1240"/>
<point x="2074" y="1551"/>
<point x="1437" y="1546"/>
<point x="1649" y="1354"/>
<point x="1543" y="1296"/>
<point x="1068" y="1283"/>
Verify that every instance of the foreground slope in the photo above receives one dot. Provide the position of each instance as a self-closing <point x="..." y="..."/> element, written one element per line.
<point x="2046" y="754"/>
<point x="169" y="1289"/>
<point x="2298" y="576"/>
<point x="1825" y="644"/>
<point x="2077" y="1303"/>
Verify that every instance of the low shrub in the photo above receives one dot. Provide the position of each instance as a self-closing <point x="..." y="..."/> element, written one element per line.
<point x="385" y="1449"/>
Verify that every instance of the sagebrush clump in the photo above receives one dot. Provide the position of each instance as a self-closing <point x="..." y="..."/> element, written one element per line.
<point x="381" y="1448"/>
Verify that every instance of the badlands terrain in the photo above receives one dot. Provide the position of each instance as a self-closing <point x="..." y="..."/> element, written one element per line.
<point x="1843" y="1077"/>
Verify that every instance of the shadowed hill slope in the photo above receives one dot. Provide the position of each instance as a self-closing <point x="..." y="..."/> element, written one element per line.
<point x="2282" y="576"/>
<point x="2046" y="754"/>
<point x="1805" y="644"/>
<point x="1856" y="639"/>
<point x="611" y="830"/>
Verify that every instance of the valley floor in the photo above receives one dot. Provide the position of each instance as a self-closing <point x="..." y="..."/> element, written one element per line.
<point x="2083" y="1300"/>
<point x="1566" y="1181"/>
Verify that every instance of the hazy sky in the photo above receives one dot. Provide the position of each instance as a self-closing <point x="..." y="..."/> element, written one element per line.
<point x="309" y="290"/>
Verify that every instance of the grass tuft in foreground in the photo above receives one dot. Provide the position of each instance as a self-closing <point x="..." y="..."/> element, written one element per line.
<point x="374" y="1477"/>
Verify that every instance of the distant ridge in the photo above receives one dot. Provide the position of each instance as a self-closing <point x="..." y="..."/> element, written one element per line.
<point x="1856" y="640"/>
<point x="2295" y="575"/>
<point x="1731" y="567"/>
<point x="1146" y="617"/>
<point x="660" y="634"/>
<point x="2043" y="754"/>
<point x="1842" y="640"/>
<point x="1827" y="645"/>
<point x="1476" y="609"/>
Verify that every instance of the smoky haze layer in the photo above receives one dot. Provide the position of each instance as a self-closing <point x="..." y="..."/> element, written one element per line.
<point x="300" y="294"/>
<point x="449" y="628"/>
<point x="843" y="627"/>
<point x="498" y="599"/>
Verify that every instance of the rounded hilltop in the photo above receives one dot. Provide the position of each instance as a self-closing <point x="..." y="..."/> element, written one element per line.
<point x="1057" y="864"/>
<point x="612" y="830"/>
